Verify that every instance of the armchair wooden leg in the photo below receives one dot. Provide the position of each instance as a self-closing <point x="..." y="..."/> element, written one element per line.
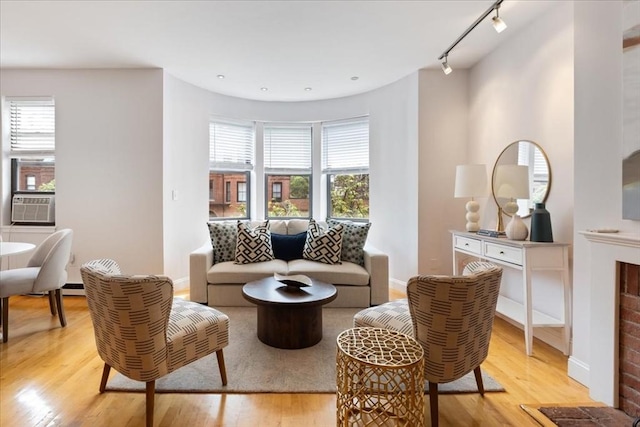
<point x="433" y="403"/>
<point x="151" y="394"/>
<point x="63" y="320"/>
<point x="52" y="303"/>
<point x="5" y="319"/>
<point x="223" y="370"/>
<point x="478" y="373"/>
<point x="105" y="377"/>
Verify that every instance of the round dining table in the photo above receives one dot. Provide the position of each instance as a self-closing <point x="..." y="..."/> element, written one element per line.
<point x="14" y="248"/>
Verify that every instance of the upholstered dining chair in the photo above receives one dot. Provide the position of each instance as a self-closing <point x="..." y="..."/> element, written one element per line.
<point x="452" y="319"/>
<point x="45" y="272"/>
<point x="145" y="333"/>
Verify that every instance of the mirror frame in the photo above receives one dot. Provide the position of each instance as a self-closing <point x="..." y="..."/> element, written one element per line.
<point x="493" y="175"/>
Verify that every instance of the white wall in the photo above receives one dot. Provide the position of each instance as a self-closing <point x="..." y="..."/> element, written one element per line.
<point x="443" y="145"/>
<point x="598" y="153"/>
<point x="108" y="161"/>
<point x="186" y="155"/>
<point x="524" y="90"/>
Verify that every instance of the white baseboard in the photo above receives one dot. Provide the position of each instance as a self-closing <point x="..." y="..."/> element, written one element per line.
<point x="181" y="284"/>
<point x="398" y="285"/>
<point x="579" y="371"/>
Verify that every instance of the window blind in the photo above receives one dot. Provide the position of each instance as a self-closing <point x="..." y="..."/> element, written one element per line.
<point x="231" y="145"/>
<point x="287" y="148"/>
<point x="32" y="127"/>
<point x="345" y="146"/>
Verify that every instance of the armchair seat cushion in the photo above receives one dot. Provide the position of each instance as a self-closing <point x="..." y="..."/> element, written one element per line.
<point x="194" y="331"/>
<point x="393" y="315"/>
<point x="17" y="281"/>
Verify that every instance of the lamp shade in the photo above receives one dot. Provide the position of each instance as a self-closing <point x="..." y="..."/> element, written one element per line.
<point x="471" y="181"/>
<point x="512" y="182"/>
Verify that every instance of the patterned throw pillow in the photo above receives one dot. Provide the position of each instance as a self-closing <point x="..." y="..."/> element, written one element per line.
<point x="323" y="246"/>
<point x="353" y="239"/>
<point x="223" y="239"/>
<point x="253" y="245"/>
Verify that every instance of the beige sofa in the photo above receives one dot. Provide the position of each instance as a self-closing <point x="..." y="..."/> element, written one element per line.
<point x="221" y="284"/>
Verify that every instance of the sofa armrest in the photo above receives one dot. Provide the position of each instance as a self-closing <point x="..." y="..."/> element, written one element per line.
<point x="377" y="264"/>
<point x="200" y="261"/>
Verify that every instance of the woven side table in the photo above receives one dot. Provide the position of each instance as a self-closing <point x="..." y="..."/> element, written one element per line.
<point x="380" y="379"/>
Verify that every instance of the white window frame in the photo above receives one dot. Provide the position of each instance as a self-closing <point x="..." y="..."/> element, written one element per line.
<point x="345" y="151"/>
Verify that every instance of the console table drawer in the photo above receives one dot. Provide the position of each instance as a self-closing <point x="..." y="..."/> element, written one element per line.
<point x="470" y="245"/>
<point x="503" y="253"/>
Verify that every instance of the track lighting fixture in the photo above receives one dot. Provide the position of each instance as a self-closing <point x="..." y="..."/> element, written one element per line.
<point x="498" y="24"/>
<point x="445" y="66"/>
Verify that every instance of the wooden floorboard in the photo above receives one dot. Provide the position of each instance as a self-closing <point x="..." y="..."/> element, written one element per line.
<point x="49" y="376"/>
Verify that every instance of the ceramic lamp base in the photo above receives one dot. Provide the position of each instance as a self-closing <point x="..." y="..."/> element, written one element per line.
<point x="472" y="216"/>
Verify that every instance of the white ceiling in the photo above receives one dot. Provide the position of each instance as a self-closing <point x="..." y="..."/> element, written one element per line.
<point x="285" y="46"/>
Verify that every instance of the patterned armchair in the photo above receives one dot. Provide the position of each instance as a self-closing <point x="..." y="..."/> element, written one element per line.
<point x="143" y="332"/>
<point x="452" y="319"/>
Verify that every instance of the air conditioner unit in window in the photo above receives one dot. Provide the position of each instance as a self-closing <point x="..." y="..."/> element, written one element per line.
<point x="33" y="209"/>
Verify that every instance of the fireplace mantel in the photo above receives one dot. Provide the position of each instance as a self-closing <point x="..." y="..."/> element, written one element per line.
<point x="607" y="251"/>
<point x="621" y="239"/>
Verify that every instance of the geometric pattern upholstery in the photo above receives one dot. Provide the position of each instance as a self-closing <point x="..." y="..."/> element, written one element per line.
<point x="354" y="237"/>
<point x="323" y="246"/>
<point x="140" y="329"/>
<point x="392" y="315"/>
<point x="452" y="318"/>
<point x="253" y="245"/>
<point x="223" y="240"/>
<point x="395" y="315"/>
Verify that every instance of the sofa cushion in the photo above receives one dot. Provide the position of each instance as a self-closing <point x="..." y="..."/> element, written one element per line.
<point x="296" y="226"/>
<point x="223" y="239"/>
<point x="229" y="272"/>
<point x="288" y="247"/>
<point x="346" y="273"/>
<point x="323" y="246"/>
<point x="253" y="244"/>
<point x="354" y="237"/>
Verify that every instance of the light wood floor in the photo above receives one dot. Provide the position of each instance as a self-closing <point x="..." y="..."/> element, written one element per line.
<point x="49" y="376"/>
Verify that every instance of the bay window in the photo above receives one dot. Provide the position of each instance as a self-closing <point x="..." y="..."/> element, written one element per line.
<point x="345" y="162"/>
<point x="230" y="164"/>
<point x="287" y="167"/>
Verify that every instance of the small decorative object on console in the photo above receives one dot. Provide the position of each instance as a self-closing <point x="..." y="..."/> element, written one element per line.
<point x="516" y="229"/>
<point x="541" y="224"/>
<point x="295" y="280"/>
<point x="490" y="233"/>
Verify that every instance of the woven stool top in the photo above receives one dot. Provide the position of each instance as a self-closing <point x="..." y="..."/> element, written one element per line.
<point x="380" y="347"/>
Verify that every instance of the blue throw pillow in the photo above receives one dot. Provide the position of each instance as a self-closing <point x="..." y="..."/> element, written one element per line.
<point x="288" y="247"/>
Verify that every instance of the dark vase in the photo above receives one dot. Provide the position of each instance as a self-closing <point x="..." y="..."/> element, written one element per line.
<point x="541" y="224"/>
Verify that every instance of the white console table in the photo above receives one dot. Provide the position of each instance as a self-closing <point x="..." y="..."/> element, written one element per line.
<point x="528" y="257"/>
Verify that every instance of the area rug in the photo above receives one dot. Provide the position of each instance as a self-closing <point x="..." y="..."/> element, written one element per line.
<point x="254" y="367"/>
<point x="591" y="414"/>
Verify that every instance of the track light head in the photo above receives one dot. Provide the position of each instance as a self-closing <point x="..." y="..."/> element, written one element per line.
<point x="498" y="23"/>
<point x="445" y="66"/>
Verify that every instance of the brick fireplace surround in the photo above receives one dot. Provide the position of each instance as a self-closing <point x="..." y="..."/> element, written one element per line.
<point x="629" y="339"/>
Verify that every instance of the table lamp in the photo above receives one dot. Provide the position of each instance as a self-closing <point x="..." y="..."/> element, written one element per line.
<point x="471" y="181"/>
<point x="512" y="183"/>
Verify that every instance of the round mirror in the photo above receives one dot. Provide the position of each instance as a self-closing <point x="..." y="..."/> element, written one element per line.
<point x="521" y="176"/>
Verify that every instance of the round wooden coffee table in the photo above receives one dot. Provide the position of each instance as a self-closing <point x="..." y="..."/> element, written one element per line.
<point x="289" y="317"/>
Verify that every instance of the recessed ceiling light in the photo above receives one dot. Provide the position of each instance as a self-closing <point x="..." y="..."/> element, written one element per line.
<point x="264" y="89"/>
<point x="308" y="89"/>
<point x="220" y="76"/>
<point x="355" y="78"/>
